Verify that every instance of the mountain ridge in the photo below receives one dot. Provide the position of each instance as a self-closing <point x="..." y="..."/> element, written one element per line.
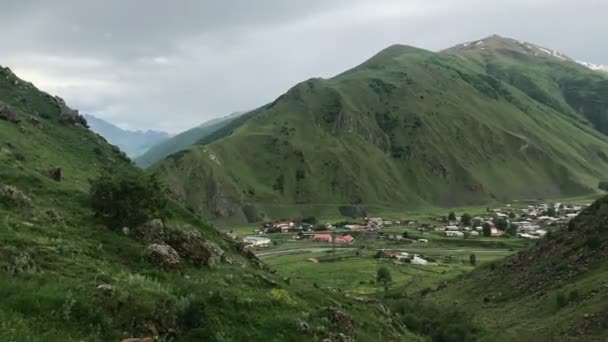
<point x="378" y="137"/>
<point x="134" y="143"/>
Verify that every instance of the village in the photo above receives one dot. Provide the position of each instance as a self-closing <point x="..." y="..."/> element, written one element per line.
<point x="524" y="221"/>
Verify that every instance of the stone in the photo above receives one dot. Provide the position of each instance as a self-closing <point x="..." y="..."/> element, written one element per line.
<point x="151" y="232"/>
<point x="138" y="339"/>
<point x="55" y="174"/>
<point x="13" y="196"/>
<point x="8" y="115"/>
<point x="105" y="289"/>
<point x="191" y="245"/>
<point x="163" y="256"/>
<point x="54" y="215"/>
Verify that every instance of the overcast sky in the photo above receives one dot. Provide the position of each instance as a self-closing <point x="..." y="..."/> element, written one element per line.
<point x="171" y="65"/>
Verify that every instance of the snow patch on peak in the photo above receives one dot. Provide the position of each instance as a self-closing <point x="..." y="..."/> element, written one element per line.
<point x="596" y="67"/>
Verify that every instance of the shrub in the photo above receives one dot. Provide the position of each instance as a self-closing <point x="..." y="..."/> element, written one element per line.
<point x="383" y="276"/>
<point x="127" y="198"/>
<point x="452" y="216"/>
<point x="573" y="296"/>
<point x="466" y="219"/>
<point x="561" y="300"/>
<point x="603" y="185"/>
<point x="594" y="242"/>
<point x="473" y="259"/>
<point x="487" y="229"/>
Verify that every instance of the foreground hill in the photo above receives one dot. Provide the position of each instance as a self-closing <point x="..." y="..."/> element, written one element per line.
<point x="133" y="143"/>
<point x="183" y="140"/>
<point x="407" y="128"/>
<point x="555" y="291"/>
<point x="66" y="277"/>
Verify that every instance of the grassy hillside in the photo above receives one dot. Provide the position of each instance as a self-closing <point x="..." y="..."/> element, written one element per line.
<point x="65" y="277"/>
<point x="183" y="140"/>
<point x="408" y="128"/>
<point x="555" y="291"/>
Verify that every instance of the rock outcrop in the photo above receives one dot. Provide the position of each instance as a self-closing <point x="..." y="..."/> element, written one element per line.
<point x="192" y="246"/>
<point x="8" y="114"/>
<point x="10" y="195"/>
<point x="163" y="256"/>
<point x="188" y="244"/>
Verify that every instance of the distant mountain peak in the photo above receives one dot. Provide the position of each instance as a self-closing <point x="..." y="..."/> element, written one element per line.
<point x="497" y="43"/>
<point x="134" y="143"/>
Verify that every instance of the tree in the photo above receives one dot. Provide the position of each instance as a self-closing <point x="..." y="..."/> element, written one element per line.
<point x="310" y="220"/>
<point x="452" y="216"/>
<point x="512" y="230"/>
<point x="502" y="224"/>
<point x="603" y="185"/>
<point x="551" y="211"/>
<point x="466" y="219"/>
<point x="383" y="276"/>
<point x="487" y="229"/>
<point x="473" y="259"/>
<point x="512" y="215"/>
<point x="405" y="234"/>
<point x="127" y="198"/>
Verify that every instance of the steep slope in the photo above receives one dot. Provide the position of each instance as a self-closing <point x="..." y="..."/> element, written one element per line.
<point x="407" y="128"/>
<point x="183" y="140"/>
<point x="556" y="290"/>
<point x="134" y="143"/>
<point x="65" y="277"/>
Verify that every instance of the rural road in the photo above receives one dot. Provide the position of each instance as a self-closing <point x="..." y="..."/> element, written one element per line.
<point x="416" y="250"/>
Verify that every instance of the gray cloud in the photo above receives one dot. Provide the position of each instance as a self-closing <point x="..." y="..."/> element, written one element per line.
<point x="171" y="65"/>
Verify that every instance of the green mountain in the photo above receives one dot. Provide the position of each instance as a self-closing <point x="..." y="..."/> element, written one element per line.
<point x="407" y="128"/>
<point x="554" y="291"/>
<point x="183" y="140"/>
<point x="66" y="277"/>
<point x="134" y="143"/>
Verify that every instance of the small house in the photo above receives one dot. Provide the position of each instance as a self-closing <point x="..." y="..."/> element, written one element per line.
<point x="323" y="237"/>
<point x="257" y="241"/>
<point x="347" y="239"/>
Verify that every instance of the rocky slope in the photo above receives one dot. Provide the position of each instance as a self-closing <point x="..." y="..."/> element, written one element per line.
<point x="407" y="128"/>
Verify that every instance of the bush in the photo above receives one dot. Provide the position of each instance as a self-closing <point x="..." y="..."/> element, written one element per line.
<point x="452" y="216"/>
<point x="466" y="219"/>
<point x="603" y="185"/>
<point x="487" y="229"/>
<point x="383" y="276"/>
<point x="473" y="259"/>
<point x="594" y="242"/>
<point x="561" y="300"/>
<point x="127" y="198"/>
<point x="573" y="296"/>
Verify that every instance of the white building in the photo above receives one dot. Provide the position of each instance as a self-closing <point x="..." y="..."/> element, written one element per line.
<point x="257" y="241"/>
<point x="418" y="261"/>
<point x="449" y="233"/>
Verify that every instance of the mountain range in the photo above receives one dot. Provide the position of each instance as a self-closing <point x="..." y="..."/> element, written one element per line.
<point x="183" y="140"/>
<point x="133" y="143"/>
<point x="490" y="120"/>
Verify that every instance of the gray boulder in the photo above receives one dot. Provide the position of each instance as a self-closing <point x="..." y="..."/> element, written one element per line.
<point x="163" y="256"/>
<point x="12" y="196"/>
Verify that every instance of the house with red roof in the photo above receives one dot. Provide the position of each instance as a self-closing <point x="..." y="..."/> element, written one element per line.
<point x="323" y="237"/>
<point x="345" y="239"/>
